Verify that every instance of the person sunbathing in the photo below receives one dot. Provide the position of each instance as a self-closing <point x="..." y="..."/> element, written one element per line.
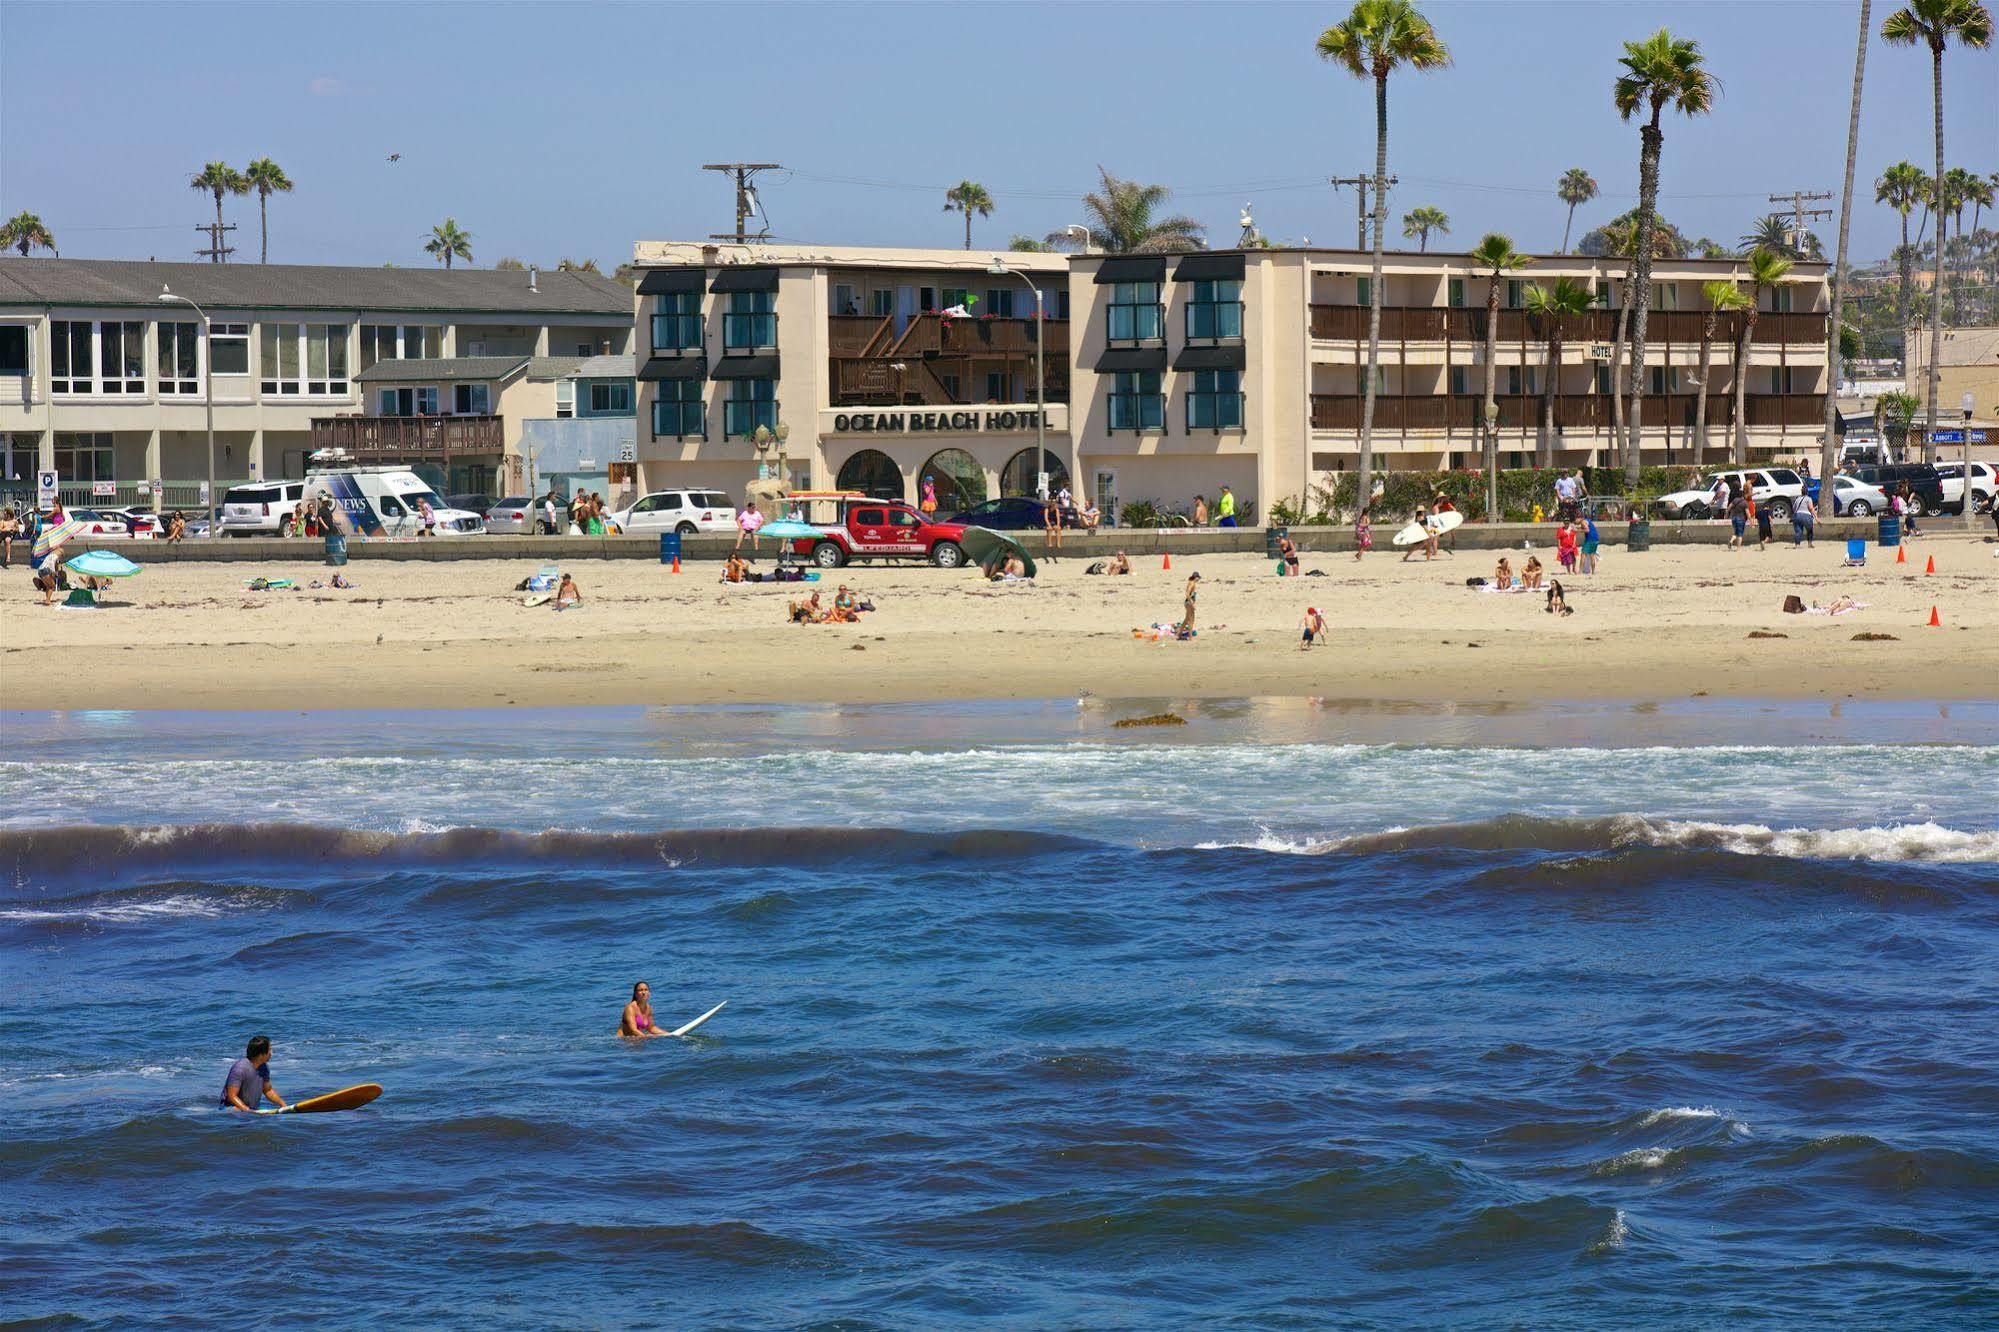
<point x="1557" y="603"/>
<point x="1502" y="576"/>
<point x="567" y="594"/>
<point x="734" y="568"/>
<point x="1119" y="564"/>
<point x="845" y="609"/>
<point x="808" y="611"/>
<point x="1530" y="574"/>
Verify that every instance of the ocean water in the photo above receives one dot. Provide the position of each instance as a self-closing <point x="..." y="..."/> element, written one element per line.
<point x="1304" y="1013"/>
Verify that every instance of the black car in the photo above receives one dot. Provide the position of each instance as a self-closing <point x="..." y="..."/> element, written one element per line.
<point x="1016" y="513"/>
<point x="478" y="504"/>
<point x="1925" y="487"/>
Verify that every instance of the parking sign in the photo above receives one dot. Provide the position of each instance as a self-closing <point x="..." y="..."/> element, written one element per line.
<point x="45" y="489"/>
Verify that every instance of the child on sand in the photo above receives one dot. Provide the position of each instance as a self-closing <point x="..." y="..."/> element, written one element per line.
<point x="1363" y="532"/>
<point x="1314" y="627"/>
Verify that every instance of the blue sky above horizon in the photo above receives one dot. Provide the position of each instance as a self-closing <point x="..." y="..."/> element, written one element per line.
<point x="553" y="130"/>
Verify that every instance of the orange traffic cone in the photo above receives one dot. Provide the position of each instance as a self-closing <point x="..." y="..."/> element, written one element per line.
<point x="1166" y="560"/>
<point x="1931" y="567"/>
<point x="676" y="564"/>
<point x="1935" y="623"/>
<point x="1901" y="554"/>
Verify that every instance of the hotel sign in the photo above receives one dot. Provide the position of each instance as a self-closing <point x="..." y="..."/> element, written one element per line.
<point x="903" y="421"/>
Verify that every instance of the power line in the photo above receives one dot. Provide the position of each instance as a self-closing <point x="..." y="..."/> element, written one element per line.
<point x="747" y="203"/>
<point x="1360" y="186"/>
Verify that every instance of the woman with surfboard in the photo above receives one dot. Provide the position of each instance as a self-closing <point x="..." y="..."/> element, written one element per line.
<point x="638" y="1022"/>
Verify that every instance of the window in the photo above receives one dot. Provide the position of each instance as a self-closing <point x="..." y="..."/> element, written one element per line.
<point x="1000" y="388"/>
<point x="1603" y="379"/>
<point x="13" y="349"/>
<point x="565" y="399"/>
<point x="750" y="322"/>
<point x="1106" y="489"/>
<point x="228" y="349"/>
<point x="71" y="354"/>
<point x="1664" y="379"/>
<point x="752" y="403"/>
<point x="303" y="358"/>
<point x="409" y="401"/>
<point x="957" y="296"/>
<point x="107" y="357"/>
<point x="178" y="358"/>
<point x="676" y="322"/>
<point x="1135" y="401"/>
<point x="1665" y="296"/>
<point x="926" y="298"/>
<point x="999" y="302"/>
<point x="1522" y="379"/>
<point x="677" y="409"/>
<point x="471" y="399"/>
<point x="399" y="342"/>
<point x="1215" y="400"/>
<point x="611" y="399"/>
<point x="884" y="302"/>
<point x="1605" y="295"/>
<point x="845" y="299"/>
<point x="1363" y="291"/>
<point x="1460" y="379"/>
<point x="1134" y="312"/>
<point x="1214" y="310"/>
<point x="1777" y="300"/>
<point x="85" y="457"/>
<point x="1516" y="293"/>
<point x="1457" y="296"/>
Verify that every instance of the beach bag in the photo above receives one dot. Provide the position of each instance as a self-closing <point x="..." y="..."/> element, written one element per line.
<point x="1794" y="605"/>
<point x="1098" y="567"/>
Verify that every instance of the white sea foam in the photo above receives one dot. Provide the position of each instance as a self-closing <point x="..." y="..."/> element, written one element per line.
<point x="1901" y="841"/>
<point x="1614" y="1234"/>
<point x="117" y="913"/>
<point x="1635" y="1161"/>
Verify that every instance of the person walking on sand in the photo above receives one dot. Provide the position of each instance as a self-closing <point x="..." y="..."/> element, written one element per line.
<point x="249" y="1082"/>
<point x="1363" y="532"/>
<point x="1565" y="546"/>
<point x="636" y="1022"/>
<point x="1738" y="518"/>
<point x="1429" y="543"/>
<point x="1762" y="525"/>
<point x="1804" y="517"/>
<point x="1186" y="627"/>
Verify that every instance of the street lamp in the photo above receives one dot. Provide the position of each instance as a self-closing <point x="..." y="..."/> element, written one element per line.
<point x="208" y="399"/>
<point x="998" y="268"/>
<point x="1969" y="404"/>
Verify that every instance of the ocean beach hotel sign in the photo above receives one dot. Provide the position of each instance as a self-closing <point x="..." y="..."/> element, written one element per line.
<point x="952" y="420"/>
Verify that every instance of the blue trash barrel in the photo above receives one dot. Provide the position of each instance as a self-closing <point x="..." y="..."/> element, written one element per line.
<point x="1890" y="531"/>
<point x="336" y="548"/>
<point x="1271" y="536"/>
<point x="669" y="547"/>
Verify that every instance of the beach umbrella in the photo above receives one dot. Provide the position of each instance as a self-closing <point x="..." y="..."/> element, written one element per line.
<point x="101" y="564"/>
<point x="790" y="529"/>
<point x="53" y="535"/>
<point x="985" y="548"/>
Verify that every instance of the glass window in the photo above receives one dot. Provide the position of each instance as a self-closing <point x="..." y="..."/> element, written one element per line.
<point x="13" y="349"/>
<point x="1363" y="291"/>
<point x="610" y="399"/>
<point x="750" y="321"/>
<point x="121" y="357"/>
<point x="676" y="321"/>
<point x="677" y="409"/>
<point x="884" y="302"/>
<point x="565" y="399"/>
<point x="1135" y="401"/>
<point x="1215" y="400"/>
<point x="229" y="349"/>
<point x="471" y="399"/>
<point x="178" y="358"/>
<point x="752" y="403"/>
<point x="999" y="302"/>
<point x="1134" y="314"/>
<point x="1215" y="310"/>
<point x="1457" y="296"/>
<point x="1460" y="379"/>
<point x="85" y="457"/>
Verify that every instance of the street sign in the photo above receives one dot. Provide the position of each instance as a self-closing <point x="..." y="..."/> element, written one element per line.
<point x="1956" y="436"/>
<point x="204" y="492"/>
<point x="156" y="487"/>
<point x="628" y="451"/>
<point x="105" y="488"/>
<point x="1599" y="351"/>
<point x="46" y="486"/>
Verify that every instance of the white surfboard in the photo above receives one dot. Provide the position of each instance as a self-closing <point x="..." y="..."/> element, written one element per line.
<point x="682" y="1031"/>
<point x="1439" y="523"/>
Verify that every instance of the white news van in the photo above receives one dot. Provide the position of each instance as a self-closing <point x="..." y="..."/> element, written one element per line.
<point x="385" y="501"/>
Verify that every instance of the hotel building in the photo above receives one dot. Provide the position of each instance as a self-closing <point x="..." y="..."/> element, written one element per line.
<point x="1166" y="375"/>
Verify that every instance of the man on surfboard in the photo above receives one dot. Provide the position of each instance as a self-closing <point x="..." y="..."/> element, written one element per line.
<point x="249" y="1080"/>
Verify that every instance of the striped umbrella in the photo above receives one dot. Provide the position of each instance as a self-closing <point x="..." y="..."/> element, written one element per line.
<point x="54" y="534"/>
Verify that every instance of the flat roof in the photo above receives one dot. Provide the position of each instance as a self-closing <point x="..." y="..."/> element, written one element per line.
<point x="128" y="282"/>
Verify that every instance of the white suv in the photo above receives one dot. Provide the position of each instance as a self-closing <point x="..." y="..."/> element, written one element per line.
<point x="260" y="507"/>
<point x="1771" y="487"/>
<point x="1982" y="485"/>
<point x="682" y="511"/>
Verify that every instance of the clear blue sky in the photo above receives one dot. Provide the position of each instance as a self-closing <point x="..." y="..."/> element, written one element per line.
<point x="576" y="129"/>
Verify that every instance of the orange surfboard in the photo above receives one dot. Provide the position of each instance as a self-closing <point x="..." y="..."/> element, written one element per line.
<point x="347" y="1098"/>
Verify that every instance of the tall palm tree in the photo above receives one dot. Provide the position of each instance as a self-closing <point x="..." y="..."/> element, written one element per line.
<point x="1771" y="232"/>
<point x="1959" y="186"/>
<point x="1577" y="187"/>
<point x="1661" y="71"/>
<point x="1829" y="441"/>
<point x="1934" y="23"/>
<point x="24" y="232"/>
<point x="1418" y="223"/>
<point x="447" y="242"/>
<point x="1551" y="308"/>
<point x="1122" y="221"/>
<point x="1900" y="187"/>
<point x="218" y="179"/>
<point x="1766" y="270"/>
<point x="266" y="178"/>
<point x="1495" y="257"/>
<point x="1373" y="41"/>
<point x="968" y="197"/>
<point x="1723" y="297"/>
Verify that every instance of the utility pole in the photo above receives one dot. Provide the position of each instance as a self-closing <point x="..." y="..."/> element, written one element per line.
<point x="1800" y="214"/>
<point x="1361" y="185"/>
<point x="216" y="252"/>
<point x="746" y="198"/>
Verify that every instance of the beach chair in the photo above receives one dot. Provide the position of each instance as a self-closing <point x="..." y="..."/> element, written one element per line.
<point x="1856" y="553"/>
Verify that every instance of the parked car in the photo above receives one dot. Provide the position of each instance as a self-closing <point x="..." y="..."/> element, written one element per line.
<point x="1982" y="486"/>
<point x="871" y="529"/>
<point x="1771" y="487"/>
<point x="1855" y="498"/>
<point x="682" y="511"/>
<point x="516" y="515"/>
<point x="1015" y="513"/>
<point x="259" y="508"/>
<point x="117" y="524"/>
<point x="1925" y="486"/>
<point x="479" y="504"/>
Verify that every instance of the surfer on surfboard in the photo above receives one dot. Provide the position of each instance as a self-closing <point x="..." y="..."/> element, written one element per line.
<point x="637" y="1021"/>
<point x="249" y="1082"/>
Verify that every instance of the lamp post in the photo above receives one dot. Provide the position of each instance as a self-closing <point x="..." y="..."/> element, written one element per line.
<point x="1969" y="405"/>
<point x="208" y="401"/>
<point x="998" y="268"/>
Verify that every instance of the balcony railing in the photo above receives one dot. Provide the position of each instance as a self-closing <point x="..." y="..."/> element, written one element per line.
<point x="1214" y="410"/>
<point x="409" y="436"/>
<point x="677" y="334"/>
<point x="740" y="417"/>
<point x="679" y="420"/>
<point x="1348" y="323"/>
<point x="749" y="332"/>
<point x="1137" y="411"/>
<point x="1214" y="321"/>
<point x="1139" y="321"/>
<point x="1462" y="412"/>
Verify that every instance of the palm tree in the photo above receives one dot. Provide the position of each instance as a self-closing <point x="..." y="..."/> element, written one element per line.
<point x="1900" y="186"/>
<point x="1494" y="256"/>
<point x="447" y="242"/>
<point x="1661" y="71"/>
<point x="1766" y="270"/>
<point x="1121" y="220"/>
<point x="1959" y="186"/>
<point x="1028" y="245"/>
<point x="1551" y="308"/>
<point x="1933" y="23"/>
<point x="24" y="232"/>
<point x="1829" y="441"/>
<point x="1420" y="222"/>
<point x="1576" y="187"/>
<point x="1375" y="39"/>
<point x="218" y="179"/>
<point x="266" y="178"/>
<point x="1722" y="298"/>
<point x="1771" y="232"/>
<point x="968" y="197"/>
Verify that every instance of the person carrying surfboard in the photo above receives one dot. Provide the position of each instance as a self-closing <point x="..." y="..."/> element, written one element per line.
<point x="249" y="1082"/>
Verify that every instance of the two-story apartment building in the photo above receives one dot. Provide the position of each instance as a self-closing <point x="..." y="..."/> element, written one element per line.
<point x="106" y="383"/>
<point x="1167" y="376"/>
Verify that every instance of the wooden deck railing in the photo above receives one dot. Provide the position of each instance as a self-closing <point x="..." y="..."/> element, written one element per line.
<point x="1462" y="412"/>
<point x="409" y="436"/>
<point x="1404" y="323"/>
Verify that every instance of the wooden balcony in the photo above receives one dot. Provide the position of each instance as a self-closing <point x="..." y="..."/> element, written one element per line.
<point x="1348" y="323"/>
<point x="1461" y="412"/>
<point x="393" y="438"/>
<point x="931" y="334"/>
<point x="875" y="381"/>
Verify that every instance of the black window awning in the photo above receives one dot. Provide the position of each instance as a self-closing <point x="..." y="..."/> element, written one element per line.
<point x="674" y="367"/>
<point x="1208" y="268"/>
<point x="1121" y="360"/>
<point x="1132" y="268"/>
<point x="666" y="281"/>
<point x="1209" y="358"/>
<point x="746" y="367"/>
<point x="746" y="279"/>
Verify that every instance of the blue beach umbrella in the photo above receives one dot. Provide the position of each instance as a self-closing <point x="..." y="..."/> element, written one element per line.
<point x="101" y="564"/>
<point x="790" y="529"/>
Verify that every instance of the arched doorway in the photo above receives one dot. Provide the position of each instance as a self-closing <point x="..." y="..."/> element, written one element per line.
<point x="1019" y="477"/>
<point x="872" y="473"/>
<point x="960" y="481"/>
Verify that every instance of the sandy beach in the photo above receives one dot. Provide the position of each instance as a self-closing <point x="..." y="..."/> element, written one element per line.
<point x="1672" y="623"/>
